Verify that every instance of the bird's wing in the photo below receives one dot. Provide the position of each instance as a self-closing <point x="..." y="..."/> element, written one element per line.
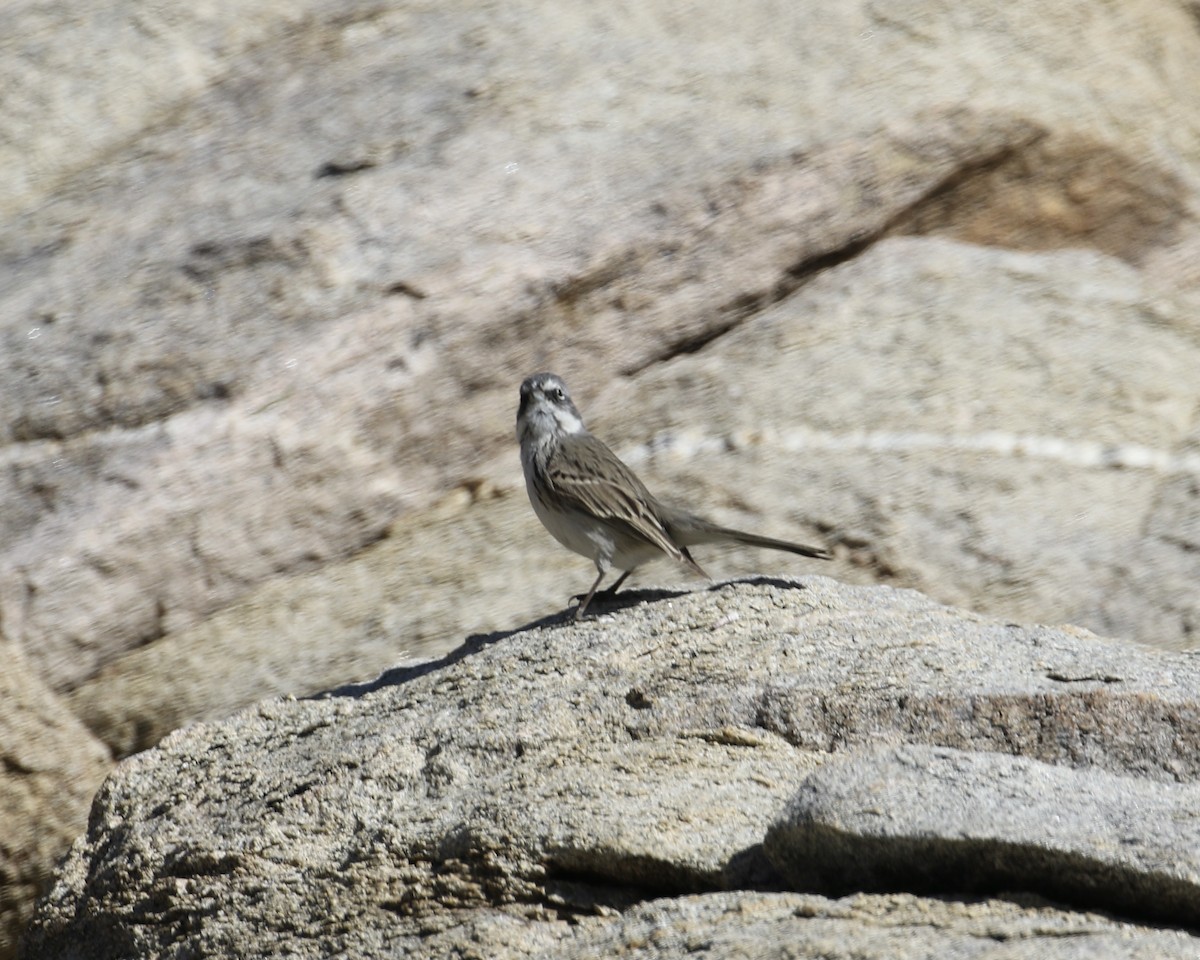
<point x="589" y="477"/>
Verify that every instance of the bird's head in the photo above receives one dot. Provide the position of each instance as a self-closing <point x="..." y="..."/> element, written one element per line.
<point x="546" y="411"/>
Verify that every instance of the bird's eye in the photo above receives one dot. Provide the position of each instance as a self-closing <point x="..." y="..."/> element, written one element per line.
<point x="557" y="395"/>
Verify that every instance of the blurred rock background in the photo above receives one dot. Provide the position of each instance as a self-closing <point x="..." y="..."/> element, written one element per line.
<point x="920" y="280"/>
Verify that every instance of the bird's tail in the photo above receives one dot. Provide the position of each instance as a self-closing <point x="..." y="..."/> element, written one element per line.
<point x="689" y="530"/>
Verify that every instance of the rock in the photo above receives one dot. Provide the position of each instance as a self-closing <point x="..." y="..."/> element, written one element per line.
<point x="1006" y="537"/>
<point x="934" y="819"/>
<point x="49" y="767"/>
<point x="810" y="927"/>
<point x="272" y="273"/>
<point x="632" y="763"/>
<point x="291" y="490"/>
<point x="80" y="84"/>
<point x="258" y="344"/>
<point x="944" y="406"/>
<point x="437" y="571"/>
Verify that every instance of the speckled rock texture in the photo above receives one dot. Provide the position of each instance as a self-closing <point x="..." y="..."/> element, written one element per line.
<point x="702" y="757"/>
<point x="918" y="280"/>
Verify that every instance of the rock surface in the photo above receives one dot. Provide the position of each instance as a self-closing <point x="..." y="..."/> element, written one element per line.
<point x="282" y="361"/>
<point x="633" y="766"/>
<point x="926" y="818"/>
<point x="49" y="767"/>
<point x="789" y="926"/>
<point x="921" y="281"/>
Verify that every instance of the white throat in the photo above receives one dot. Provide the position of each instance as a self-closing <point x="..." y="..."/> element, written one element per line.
<point x="545" y="424"/>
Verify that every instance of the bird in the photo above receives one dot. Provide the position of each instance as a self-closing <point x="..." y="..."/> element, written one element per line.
<point x="595" y="505"/>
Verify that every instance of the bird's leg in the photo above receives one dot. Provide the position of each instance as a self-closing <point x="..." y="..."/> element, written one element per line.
<point x="588" y="599"/>
<point x="607" y="591"/>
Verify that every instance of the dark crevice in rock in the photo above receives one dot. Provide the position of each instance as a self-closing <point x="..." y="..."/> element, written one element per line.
<point x="404" y="288"/>
<point x="344" y="168"/>
<point x="11" y="765"/>
<point x="751" y="869"/>
<point x="1192" y="7"/>
<point x="208" y="259"/>
<point x="1059" y="677"/>
<point x="1047" y="195"/>
<point x="750" y="303"/>
<point x="747" y="305"/>
<point x="572" y="894"/>
<point x="1179" y="543"/>
<point x="839" y="864"/>
<point x="584" y="881"/>
<point x="631" y="879"/>
<point x="797" y="275"/>
<point x="692" y="344"/>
